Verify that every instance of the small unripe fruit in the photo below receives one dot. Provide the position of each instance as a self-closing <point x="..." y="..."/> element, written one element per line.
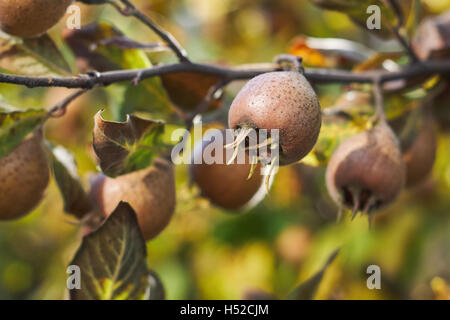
<point x="24" y="176"/>
<point x="150" y="192"/>
<point x="366" y="172"/>
<point x="224" y="185"/>
<point x="419" y="158"/>
<point x="280" y="100"/>
<point x="30" y="18"/>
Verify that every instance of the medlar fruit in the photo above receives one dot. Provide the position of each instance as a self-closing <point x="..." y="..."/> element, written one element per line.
<point x="281" y="100"/>
<point x="24" y="176"/>
<point x="150" y="192"/>
<point x="188" y="89"/>
<point x="225" y="185"/>
<point x="432" y="38"/>
<point x="30" y="18"/>
<point x="366" y="172"/>
<point x="419" y="157"/>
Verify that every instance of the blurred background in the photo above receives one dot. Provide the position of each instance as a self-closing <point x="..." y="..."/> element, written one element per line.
<point x="207" y="253"/>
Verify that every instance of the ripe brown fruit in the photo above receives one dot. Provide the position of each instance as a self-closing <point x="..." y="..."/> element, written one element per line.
<point x="280" y="100"/>
<point x="419" y="157"/>
<point x="432" y="38"/>
<point x="224" y="185"/>
<point x="366" y="172"/>
<point x="24" y="176"/>
<point x="30" y="18"/>
<point x="187" y="90"/>
<point x="150" y="192"/>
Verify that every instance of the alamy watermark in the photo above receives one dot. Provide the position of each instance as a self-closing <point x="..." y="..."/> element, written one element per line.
<point x="374" y="20"/>
<point x="74" y="279"/>
<point x="374" y="280"/>
<point x="74" y="20"/>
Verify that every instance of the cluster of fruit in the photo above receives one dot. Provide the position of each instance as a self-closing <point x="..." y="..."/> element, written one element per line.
<point x="365" y="173"/>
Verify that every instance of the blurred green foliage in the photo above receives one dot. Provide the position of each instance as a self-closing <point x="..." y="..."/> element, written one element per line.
<point x="206" y="253"/>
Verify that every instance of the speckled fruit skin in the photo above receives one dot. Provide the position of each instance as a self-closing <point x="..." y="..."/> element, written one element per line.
<point x="281" y="100"/>
<point x="419" y="158"/>
<point x="224" y="185"/>
<point x="370" y="160"/>
<point x="30" y="18"/>
<point x="150" y="192"/>
<point x="24" y="176"/>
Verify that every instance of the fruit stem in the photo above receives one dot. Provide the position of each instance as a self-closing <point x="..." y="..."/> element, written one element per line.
<point x="290" y="62"/>
<point x="379" y="101"/>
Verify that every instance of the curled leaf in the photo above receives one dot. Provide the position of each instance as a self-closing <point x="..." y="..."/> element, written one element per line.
<point x="124" y="147"/>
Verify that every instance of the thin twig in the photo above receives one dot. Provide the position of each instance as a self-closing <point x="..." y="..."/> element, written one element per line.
<point x="60" y="108"/>
<point x="379" y="100"/>
<point x="202" y="107"/>
<point x="396" y="29"/>
<point x="131" y="10"/>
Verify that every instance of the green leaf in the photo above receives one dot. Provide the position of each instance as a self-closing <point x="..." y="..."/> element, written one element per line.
<point x="112" y="260"/>
<point x="32" y="57"/>
<point x="76" y="201"/>
<point x="124" y="147"/>
<point x="16" y="125"/>
<point x="307" y="290"/>
<point x="147" y="96"/>
<point x="357" y="12"/>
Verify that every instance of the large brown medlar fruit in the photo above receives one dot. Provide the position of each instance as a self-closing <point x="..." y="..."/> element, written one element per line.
<point x="366" y="172"/>
<point x="30" y="18"/>
<point x="150" y="192"/>
<point x="281" y="100"/>
<point x="24" y="176"/>
<point x="225" y="185"/>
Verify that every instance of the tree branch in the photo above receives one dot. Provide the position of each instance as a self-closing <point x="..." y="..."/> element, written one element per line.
<point x="131" y="10"/>
<point x="60" y="108"/>
<point x="87" y="81"/>
<point x="396" y="29"/>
